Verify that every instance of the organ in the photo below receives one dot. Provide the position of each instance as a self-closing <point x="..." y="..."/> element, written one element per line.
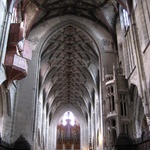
<point x="68" y="136"/>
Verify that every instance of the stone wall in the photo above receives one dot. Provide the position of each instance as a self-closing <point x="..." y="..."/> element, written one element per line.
<point x="134" y="53"/>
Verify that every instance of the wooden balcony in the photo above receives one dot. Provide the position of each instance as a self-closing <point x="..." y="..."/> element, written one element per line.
<point x="16" y="67"/>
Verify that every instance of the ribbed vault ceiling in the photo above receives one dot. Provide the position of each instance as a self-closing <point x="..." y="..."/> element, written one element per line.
<point x="69" y="68"/>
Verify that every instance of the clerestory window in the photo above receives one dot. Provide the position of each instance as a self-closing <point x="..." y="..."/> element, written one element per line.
<point x="126" y="19"/>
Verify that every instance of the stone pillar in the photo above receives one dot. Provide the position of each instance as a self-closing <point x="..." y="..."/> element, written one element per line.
<point x="25" y="108"/>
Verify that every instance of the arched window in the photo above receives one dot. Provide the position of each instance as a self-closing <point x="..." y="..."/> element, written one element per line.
<point x="110" y="97"/>
<point x="123" y="104"/>
<point x="68" y="115"/>
<point x="126" y="18"/>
